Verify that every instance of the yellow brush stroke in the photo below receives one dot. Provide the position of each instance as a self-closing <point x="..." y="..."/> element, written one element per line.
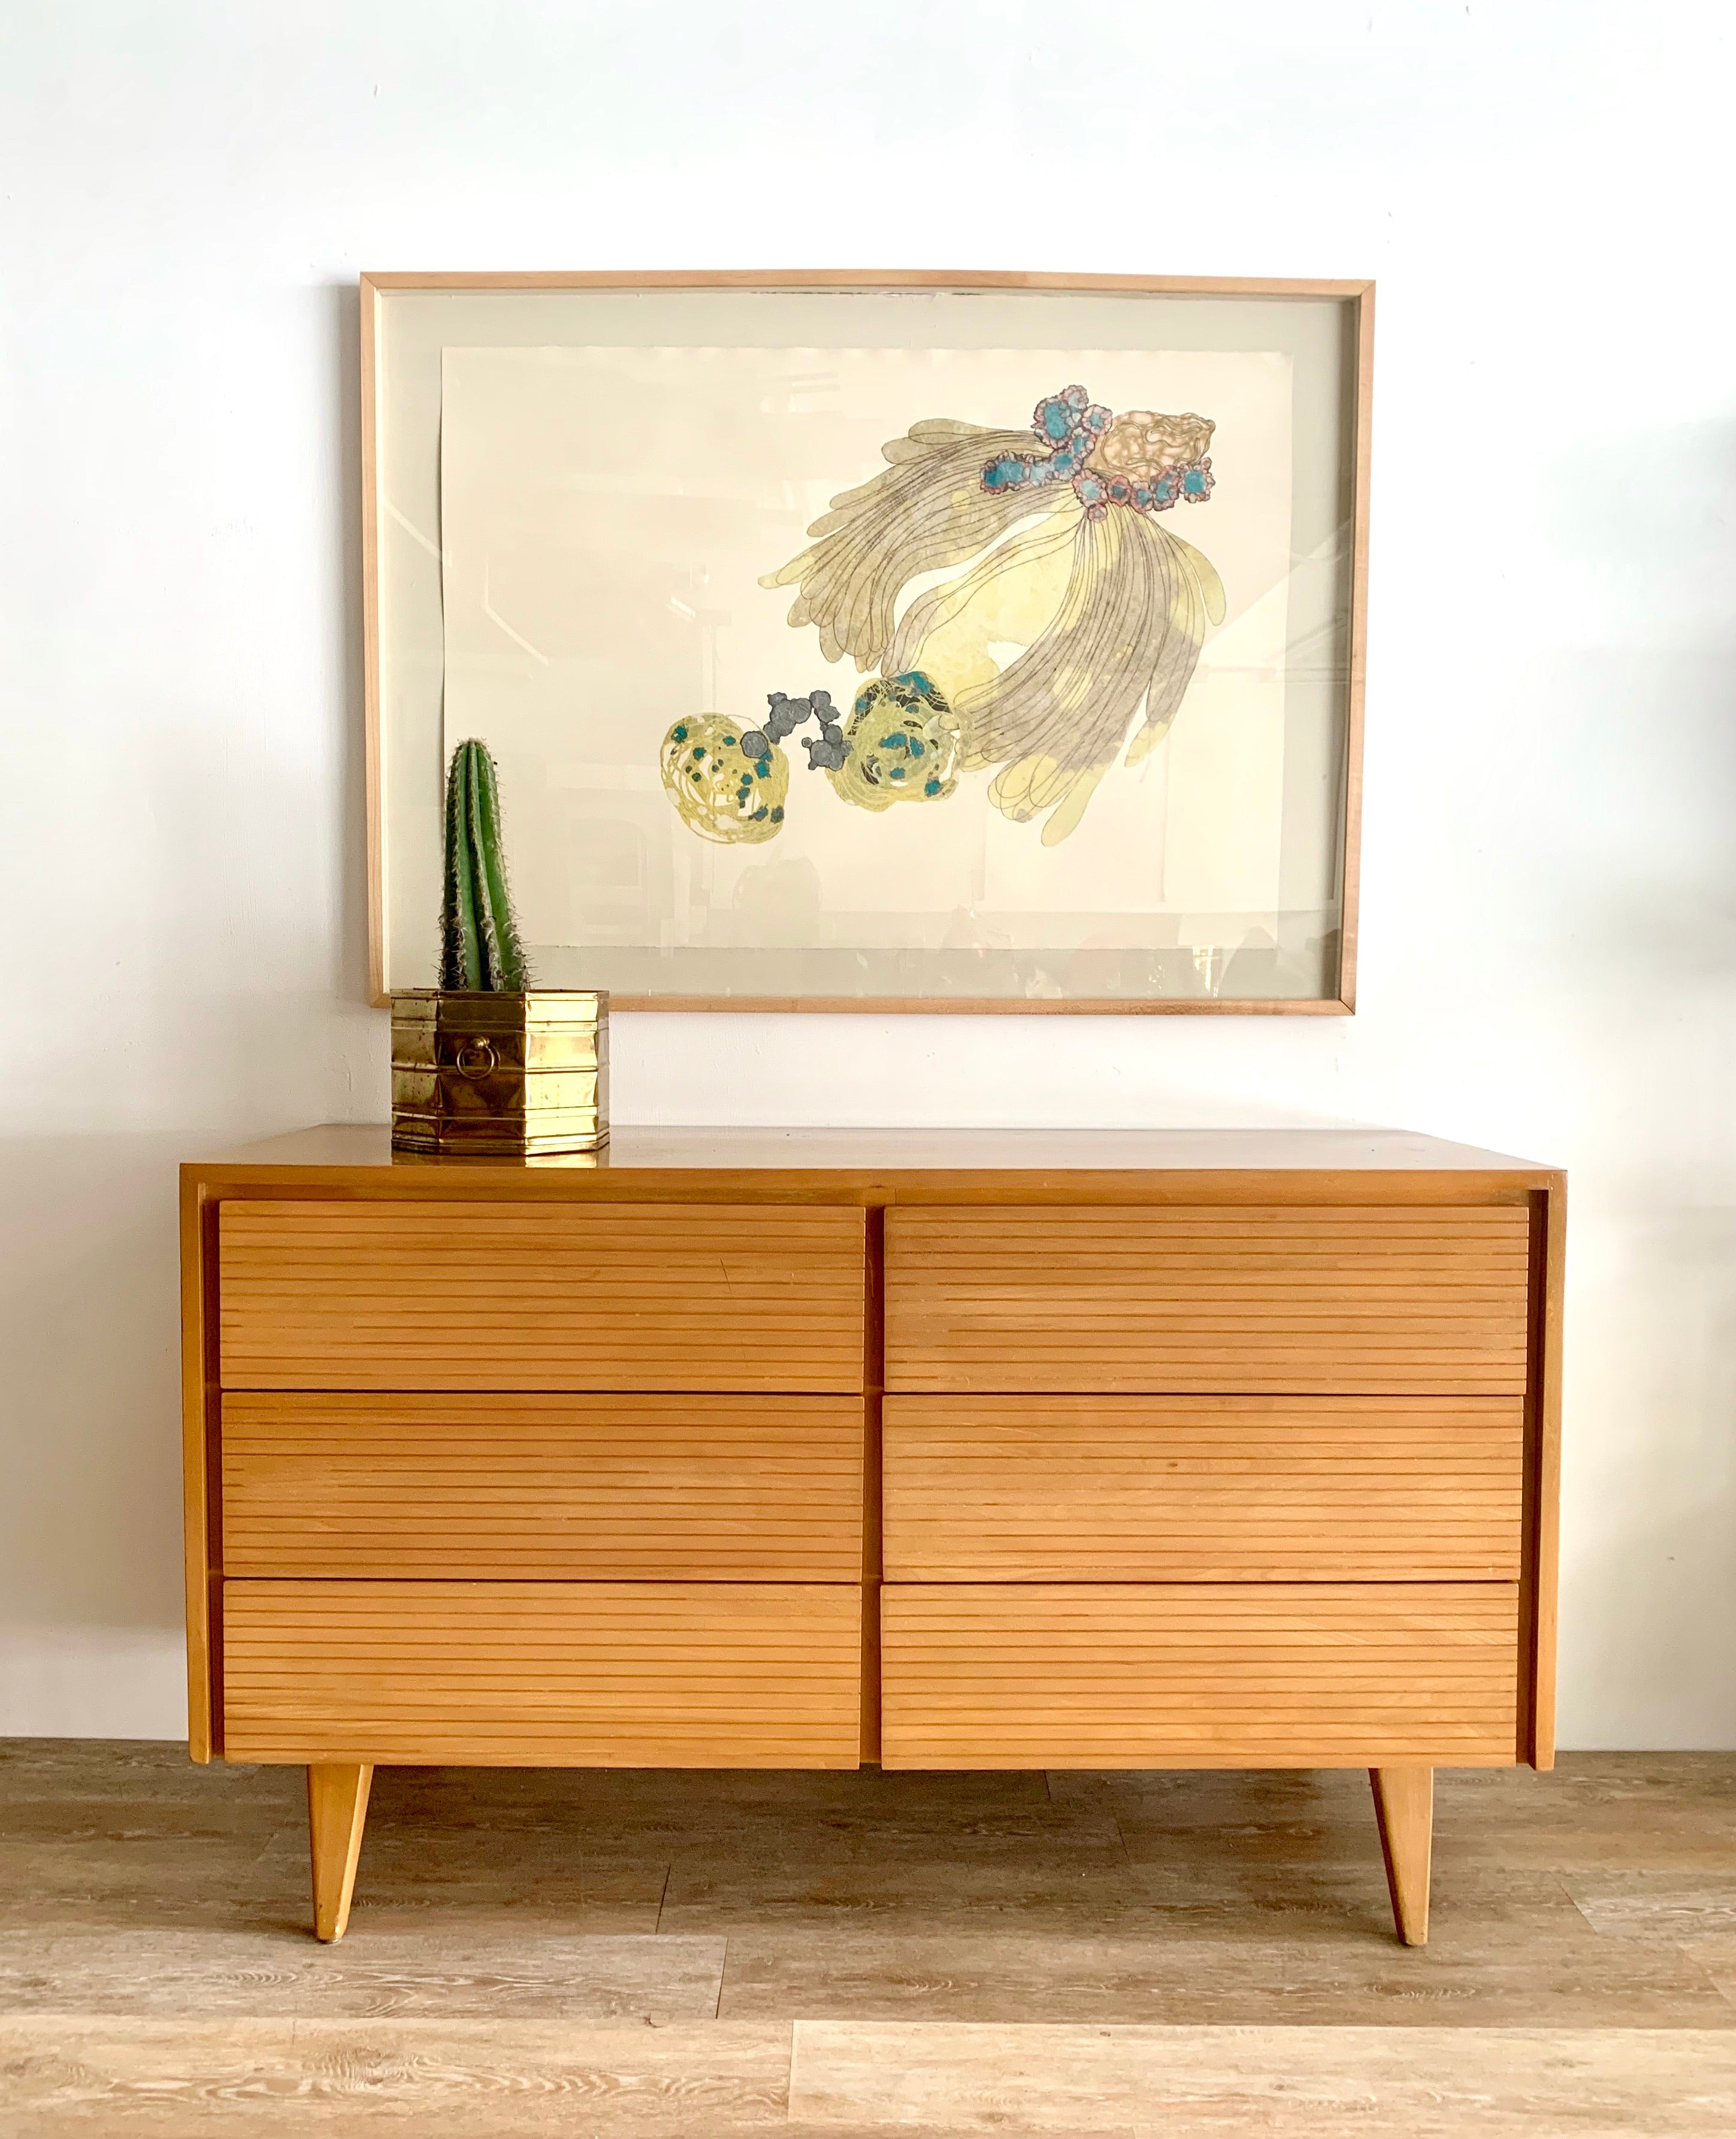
<point x="1014" y="604"/>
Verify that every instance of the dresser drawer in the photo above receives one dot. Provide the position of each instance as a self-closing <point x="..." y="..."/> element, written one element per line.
<point x="1340" y="1301"/>
<point x="336" y="1296"/>
<point x="1225" y="1489"/>
<point x="580" y="1487"/>
<point x="549" y="1674"/>
<point x="1198" y="1675"/>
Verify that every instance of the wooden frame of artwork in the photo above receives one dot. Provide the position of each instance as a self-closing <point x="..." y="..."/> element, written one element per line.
<point x="409" y="680"/>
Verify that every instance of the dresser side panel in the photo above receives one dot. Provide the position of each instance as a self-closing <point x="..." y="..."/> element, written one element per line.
<point x="200" y="1537"/>
<point x="1541" y="1580"/>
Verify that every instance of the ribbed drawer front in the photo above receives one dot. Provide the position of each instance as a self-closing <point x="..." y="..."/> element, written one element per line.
<point x="578" y="1487"/>
<point x="1054" y="1488"/>
<point x="332" y="1295"/>
<point x="1198" y="1675"/>
<point x="1283" y="1300"/>
<point x="625" y="1674"/>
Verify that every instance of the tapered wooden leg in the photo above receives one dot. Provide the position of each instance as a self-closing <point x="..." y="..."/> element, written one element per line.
<point x="337" y="1806"/>
<point x="1404" y="1806"/>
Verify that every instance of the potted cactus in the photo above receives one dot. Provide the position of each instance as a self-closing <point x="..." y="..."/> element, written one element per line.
<point x="479" y="951"/>
<point x="486" y="1064"/>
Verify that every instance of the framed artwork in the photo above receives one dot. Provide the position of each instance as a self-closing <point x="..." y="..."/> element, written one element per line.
<point x="848" y="641"/>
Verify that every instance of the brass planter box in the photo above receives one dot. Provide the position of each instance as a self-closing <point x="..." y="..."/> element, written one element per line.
<point x="518" y="1076"/>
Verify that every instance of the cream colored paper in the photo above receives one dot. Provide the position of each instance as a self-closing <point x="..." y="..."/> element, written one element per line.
<point x="606" y="516"/>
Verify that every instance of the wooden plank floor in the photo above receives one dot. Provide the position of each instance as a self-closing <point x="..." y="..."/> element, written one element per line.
<point x="636" y="1954"/>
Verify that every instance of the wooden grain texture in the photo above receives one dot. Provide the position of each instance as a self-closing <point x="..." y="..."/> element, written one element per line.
<point x="858" y="278"/>
<point x="1335" y="1301"/>
<point x="323" y="1295"/>
<point x="1358" y="1491"/>
<point x="132" y="1883"/>
<point x="841" y="2079"/>
<point x="977" y="1675"/>
<point x="832" y="2078"/>
<point x="992" y="1006"/>
<point x="1226" y="1489"/>
<point x="1186" y="1165"/>
<point x="873" y="1472"/>
<point x="1286" y="1957"/>
<point x="198" y="1458"/>
<point x="436" y="2077"/>
<point x="1698" y="1903"/>
<point x="1286" y="2083"/>
<point x="576" y="1487"/>
<point x="610" y="1674"/>
<point x="441" y="1965"/>
<point x="337" y="1812"/>
<point x="373" y="731"/>
<point x="1541" y="1584"/>
<point x="1404" y="1810"/>
<point x="1350" y="791"/>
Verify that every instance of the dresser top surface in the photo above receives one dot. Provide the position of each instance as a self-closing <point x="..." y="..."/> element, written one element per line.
<point x="848" y="1156"/>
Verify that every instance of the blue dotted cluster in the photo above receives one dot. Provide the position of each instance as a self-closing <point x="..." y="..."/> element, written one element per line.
<point x="1069" y="423"/>
<point x="900" y="756"/>
<point x="1192" y="485"/>
<point x="913" y="747"/>
<point x="760" y="769"/>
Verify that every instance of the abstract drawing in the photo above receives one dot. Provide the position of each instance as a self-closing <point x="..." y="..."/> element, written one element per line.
<point x="1070" y="613"/>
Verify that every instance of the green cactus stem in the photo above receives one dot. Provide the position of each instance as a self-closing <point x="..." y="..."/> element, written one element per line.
<point x="480" y="948"/>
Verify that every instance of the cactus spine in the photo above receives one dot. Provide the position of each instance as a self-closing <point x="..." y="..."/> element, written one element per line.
<point x="480" y="947"/>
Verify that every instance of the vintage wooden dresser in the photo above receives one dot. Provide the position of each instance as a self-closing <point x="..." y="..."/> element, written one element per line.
<point x="942" y="1449"/>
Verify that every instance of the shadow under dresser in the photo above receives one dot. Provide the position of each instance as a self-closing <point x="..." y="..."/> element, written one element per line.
<point x="945" y="1450"/>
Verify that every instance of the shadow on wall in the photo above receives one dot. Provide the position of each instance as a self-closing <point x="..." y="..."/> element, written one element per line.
<point x="1649" y="1484"/>
<point x="245" y="1012"/>
<point x="90" y="1605"/>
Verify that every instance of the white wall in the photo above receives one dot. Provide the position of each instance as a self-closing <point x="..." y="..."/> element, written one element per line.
<point x="1544" y="191"/>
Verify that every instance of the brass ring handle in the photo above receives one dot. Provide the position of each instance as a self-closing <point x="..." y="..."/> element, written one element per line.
<point x="476" y="1059"/>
